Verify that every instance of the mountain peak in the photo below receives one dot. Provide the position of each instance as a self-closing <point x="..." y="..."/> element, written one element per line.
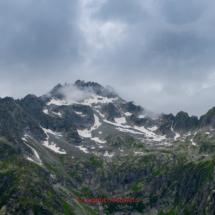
<point x="82" y="85"/>
<point x="96" y="88"/>
<point x="182" y="114"/>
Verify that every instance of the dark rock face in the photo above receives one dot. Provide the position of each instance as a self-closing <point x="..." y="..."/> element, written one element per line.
<point x="165" y="126"/>
<point x="110" y="111"/>
<point x="208" y="119"/>
<point x="182" y="122"/>
<point x="133" y="120"/>
<point x="15" y="121"/>
<point x="56" y="93"/>
<point x="34" y="107"/>
<point x="79" y="121"/>
<point x="130" y="107"/>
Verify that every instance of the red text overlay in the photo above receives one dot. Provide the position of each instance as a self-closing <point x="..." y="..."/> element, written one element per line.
<point x="107" y="200"/>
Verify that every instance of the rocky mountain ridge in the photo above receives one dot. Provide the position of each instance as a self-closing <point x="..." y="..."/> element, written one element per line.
<point x="83" y="140"/>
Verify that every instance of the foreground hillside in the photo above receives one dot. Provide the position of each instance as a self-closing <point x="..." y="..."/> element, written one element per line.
<point x="84" y="141"/>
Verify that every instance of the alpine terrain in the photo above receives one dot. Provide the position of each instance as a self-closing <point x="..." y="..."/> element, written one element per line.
<point x="82" y="149"/>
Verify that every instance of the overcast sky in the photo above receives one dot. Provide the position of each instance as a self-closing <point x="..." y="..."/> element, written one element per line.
<point x="159" y="54"/>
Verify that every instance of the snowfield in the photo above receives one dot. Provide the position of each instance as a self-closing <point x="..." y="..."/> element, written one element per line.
<point x="141" y="130"/>
<point x="95" y="99"/>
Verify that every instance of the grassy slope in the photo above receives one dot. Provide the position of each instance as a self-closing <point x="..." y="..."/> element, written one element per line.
<point x="163" y="181"/>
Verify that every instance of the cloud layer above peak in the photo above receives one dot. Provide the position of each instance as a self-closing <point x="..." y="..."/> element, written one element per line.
<point x="159" y="54"/>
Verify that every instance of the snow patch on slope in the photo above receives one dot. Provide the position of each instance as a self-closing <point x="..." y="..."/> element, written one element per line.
<point x="142" y="129"/>
<point x="84" y="133"/>
<point x="30" y="159"/>
<point x="52" y="145"/>
<point x="121" y="120"/>
<point x="82" y="148"/>
<point x="35" y="152"/>
<point x="194" y="144"/>
<point x="51" y="132"/>
<point x="57" y="113"/>
<point x="154" y="128"/>
<point x="87" y="133"/>
<point x="127" y="130"/>
<point x="96" y="139"/>
<point x="45" y="111"/>
<point x="176" y="134"/>
<point x="79" y="113"/>
<point x="58" y="102"/>
<point x="128" y="113"/>
<point x="106" y="154"/>
<point x="116" y="124"/>
<point x="150" y="134"/>
<point x="100" y="113"/>
<point x="39" y="161"/>
<point x="135" y="104"/>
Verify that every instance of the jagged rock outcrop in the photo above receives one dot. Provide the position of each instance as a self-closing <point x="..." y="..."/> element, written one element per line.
<point x="166" y="123"/>
<point x="208" y="119"/>
<point x="15" y="121"/>
<point x="110" y="111"/>
<point x="131" y="107"/>
<point x="96" y="88"/>
<point x="182" y="122"/>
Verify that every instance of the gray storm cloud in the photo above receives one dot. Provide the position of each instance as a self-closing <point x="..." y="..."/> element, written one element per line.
<point x="159" y="54"/>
